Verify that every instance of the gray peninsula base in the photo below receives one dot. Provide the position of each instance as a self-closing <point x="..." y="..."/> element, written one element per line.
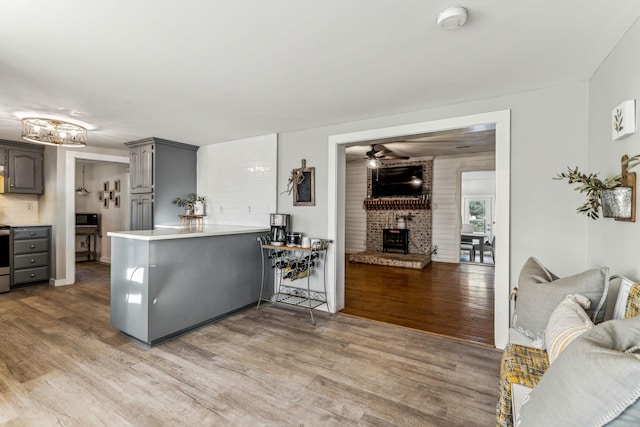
<point x="162" y="288"/>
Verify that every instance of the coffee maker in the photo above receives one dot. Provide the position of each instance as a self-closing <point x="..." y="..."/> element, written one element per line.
<point x="279" y="229"/>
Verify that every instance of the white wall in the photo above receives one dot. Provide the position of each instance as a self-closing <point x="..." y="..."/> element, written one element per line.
<point x="238" y="180"/>
<point x="548" y="131"/>
<point x="112" y="218"/>
<point x="446" y="201"/>
<point x="613" y="243"/>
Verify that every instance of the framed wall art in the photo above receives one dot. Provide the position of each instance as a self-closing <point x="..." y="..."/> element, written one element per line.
<point x="117" y="201"/>
<point x="304" y="193"/>
<point x="105" y="186"/>
<point x="116" y="185"/>
<point x="623" y="119"/>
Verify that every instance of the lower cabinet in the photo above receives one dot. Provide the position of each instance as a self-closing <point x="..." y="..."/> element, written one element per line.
<point x="142" y="212"/>
<point x="30" y="255"/>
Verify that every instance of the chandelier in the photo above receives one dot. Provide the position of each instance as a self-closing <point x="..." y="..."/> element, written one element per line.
<point x="53" y="132"/>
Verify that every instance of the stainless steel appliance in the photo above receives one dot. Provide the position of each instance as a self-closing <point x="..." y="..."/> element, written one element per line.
<point x="279" y="229"/>
<point x="5" y="265"/>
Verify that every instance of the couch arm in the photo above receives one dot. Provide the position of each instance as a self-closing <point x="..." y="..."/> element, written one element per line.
<point x="520" y="365"/>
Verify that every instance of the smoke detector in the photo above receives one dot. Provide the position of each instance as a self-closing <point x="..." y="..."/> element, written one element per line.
<point x="452" y="18"/>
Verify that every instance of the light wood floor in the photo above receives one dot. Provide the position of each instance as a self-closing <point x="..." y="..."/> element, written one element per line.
<point x="454" y="300"/>
<point x="61" y="363"/>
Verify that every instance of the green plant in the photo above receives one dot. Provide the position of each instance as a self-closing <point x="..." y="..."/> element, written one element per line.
<point x="592" y="185"/>
<point x="189" y="202"/>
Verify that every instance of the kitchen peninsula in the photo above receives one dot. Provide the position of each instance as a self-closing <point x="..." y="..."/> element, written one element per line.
<point x="167" y="281"/>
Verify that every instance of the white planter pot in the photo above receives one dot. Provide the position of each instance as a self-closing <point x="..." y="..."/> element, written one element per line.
<point x="198" y="208"/>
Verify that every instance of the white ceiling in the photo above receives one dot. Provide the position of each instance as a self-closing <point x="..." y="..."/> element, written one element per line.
<point x="206" y="71"/>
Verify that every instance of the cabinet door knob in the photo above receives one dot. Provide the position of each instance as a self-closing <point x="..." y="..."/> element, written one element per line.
<point x="32" y="234"/>
<point x="32" y="260"/>
<point x="32" y="246"/>
<point x="32" y="275"/>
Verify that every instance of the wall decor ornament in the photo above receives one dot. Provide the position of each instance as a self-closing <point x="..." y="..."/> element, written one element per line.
<point x="623" y="119"/>
<point x="615" y="194"/>
<point x="302" y="183"/>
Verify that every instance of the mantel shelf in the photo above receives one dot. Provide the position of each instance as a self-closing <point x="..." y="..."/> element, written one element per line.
<point x="401" y="203"/>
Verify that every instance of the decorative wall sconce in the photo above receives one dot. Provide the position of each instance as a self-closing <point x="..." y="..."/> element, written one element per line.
<point x="619" y="202"/>
<point x="615" y="194"/>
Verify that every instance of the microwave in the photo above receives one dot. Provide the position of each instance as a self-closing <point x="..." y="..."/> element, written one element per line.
<point x="87" y="219"/>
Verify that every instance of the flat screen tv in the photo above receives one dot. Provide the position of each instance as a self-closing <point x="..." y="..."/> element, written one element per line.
<point x="397" y="181"/>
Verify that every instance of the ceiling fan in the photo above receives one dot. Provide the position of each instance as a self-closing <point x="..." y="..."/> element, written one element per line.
<point x="375" y="157"/>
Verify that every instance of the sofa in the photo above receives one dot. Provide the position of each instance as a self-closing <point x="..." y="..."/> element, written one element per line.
<point x="573" y="356"/>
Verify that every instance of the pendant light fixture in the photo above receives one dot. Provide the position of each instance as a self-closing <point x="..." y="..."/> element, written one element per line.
<point x="82" y="191"/>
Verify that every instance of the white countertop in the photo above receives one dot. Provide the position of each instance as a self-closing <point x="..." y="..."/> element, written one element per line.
<point x="187" y="232"/>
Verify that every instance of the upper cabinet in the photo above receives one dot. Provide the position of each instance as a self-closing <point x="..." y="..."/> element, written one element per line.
<point x="141" y="167"/>
<point x="23" y="168"/>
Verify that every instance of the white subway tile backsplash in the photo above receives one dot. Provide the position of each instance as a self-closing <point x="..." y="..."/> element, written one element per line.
<point x="19" y="209"/>
<point x="242" y="190"/>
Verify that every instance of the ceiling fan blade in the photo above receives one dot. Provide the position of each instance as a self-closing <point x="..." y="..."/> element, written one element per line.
<point x="393" y="157"/>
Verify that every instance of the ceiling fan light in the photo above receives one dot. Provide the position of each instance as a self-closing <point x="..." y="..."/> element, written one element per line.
<point x="373" y="163"/>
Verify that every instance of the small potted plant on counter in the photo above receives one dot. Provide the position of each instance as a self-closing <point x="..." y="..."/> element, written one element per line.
<point x="192" y="202"/>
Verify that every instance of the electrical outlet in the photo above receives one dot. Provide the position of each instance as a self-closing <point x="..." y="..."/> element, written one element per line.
<point x="29" y="206"/>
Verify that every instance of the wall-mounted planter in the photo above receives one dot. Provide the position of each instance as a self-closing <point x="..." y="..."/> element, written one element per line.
<point x="616" y="202"/>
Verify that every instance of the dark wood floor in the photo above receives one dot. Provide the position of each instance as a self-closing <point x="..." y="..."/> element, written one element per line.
<point x="61" y="363"/>
<point x="454" y="300"/>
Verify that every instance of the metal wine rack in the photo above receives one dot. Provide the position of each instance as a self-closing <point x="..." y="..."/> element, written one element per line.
<point x="294" y="267"/>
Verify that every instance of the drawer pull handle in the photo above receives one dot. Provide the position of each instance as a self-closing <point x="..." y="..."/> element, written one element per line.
<point x="32" y="275"/>
<point x="32" y="234"/>
<point x="32" y="260"/>
<point x="32" y="246"/>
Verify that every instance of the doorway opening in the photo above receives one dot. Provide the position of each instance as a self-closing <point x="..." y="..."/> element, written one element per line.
<point x="477" y="235"/>
<point x="336" y="204"/>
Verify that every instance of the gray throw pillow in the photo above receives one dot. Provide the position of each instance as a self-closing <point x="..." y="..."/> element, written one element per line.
<point x="540" y="292"/>
<point x="593" y="382"/>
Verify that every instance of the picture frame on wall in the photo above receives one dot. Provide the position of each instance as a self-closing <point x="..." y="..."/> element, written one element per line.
<point x="623" y="119"/>
<point x="117" y="201"/>
<point x="105" y="202"/>
<point x="100" y="195"/>
<point x="105" y="186"/>
<point x="304" y="194"/>
<point x="116" y="185"/>
<point x="112" y="195"/>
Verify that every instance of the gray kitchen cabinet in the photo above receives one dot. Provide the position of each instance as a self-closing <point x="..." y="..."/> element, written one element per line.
<point x="141" y="168"/>
<point x="142" y="211"/>
<point x="23" y="168"/>
<point x="159" y="171"/>
<point x="30" y="255"/>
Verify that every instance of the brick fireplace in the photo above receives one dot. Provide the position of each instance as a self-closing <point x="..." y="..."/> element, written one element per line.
<point x="384" y="213"/>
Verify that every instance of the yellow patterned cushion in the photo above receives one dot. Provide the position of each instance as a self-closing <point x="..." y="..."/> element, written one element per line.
<point x="632" y="309"/>
<point x="520" y="365"/>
